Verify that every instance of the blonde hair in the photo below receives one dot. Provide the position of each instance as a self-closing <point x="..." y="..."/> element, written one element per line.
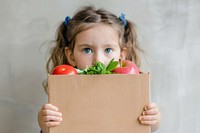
<point x="84" y="19"/>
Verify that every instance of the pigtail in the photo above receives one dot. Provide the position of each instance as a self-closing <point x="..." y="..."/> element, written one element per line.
<point x="57" y="56"/>
<point x="57" y="53"/>
<point x="130" y="40"/>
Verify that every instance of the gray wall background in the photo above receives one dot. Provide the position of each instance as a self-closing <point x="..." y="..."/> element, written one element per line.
<point x="168" y="30"/>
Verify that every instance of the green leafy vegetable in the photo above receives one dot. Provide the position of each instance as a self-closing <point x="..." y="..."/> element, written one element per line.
<point x="100" y="68"/>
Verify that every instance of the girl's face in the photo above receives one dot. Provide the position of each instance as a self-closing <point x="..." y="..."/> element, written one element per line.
<point x="99" y="43"/>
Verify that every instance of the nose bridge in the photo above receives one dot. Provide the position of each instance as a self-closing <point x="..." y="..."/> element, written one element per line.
<point x="98" y="57"/>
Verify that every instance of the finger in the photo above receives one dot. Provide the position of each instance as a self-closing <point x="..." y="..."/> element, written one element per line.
<point x="150" y="123"/>
<point x="51" y="113"/>
<point x="149" y="118"/>
<point x="50" y="107"/>
<point x="151" y="112"/>
<point x="52" y="124"/>
<point x="150" y="106"/>
<point x="52" y="118"/>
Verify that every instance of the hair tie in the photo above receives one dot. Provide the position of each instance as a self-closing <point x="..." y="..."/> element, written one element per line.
<point x="123" y="20"/>
<point x="67" y="19"/>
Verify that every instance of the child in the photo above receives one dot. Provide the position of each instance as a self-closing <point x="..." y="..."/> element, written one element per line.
<point x="90" y="36"/>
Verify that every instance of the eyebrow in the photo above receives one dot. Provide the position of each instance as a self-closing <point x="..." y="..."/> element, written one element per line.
<point x="84" y="45"/>
<point x="111" y="45"/>
<point x="105" y="45"/>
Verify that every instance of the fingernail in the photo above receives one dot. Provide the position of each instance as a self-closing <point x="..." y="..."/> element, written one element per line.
<point x="143" y="113"/>
<point x="56" y="108"/>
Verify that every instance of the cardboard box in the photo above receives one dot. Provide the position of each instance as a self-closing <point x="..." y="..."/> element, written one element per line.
<point x="99" y="103"/>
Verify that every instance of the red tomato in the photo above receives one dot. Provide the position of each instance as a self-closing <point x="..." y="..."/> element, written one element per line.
<point x="64" y="70"/>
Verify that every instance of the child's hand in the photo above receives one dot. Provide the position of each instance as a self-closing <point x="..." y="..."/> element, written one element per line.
<point x="49" y="116"/>
<point x="150" y="116"/>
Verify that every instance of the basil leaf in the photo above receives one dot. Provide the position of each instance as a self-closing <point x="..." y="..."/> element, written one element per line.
<point x="112" y="65"/>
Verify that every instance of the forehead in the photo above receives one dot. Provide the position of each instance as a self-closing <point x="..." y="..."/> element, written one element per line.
<point x="98" y="33"/>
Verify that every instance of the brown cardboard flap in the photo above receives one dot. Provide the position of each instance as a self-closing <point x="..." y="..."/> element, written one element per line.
<point x="99" y="103"/>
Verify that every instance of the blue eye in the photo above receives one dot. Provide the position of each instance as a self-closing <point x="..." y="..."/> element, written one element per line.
<point x="108" y="50"/>
<point x="87" y="50"/>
